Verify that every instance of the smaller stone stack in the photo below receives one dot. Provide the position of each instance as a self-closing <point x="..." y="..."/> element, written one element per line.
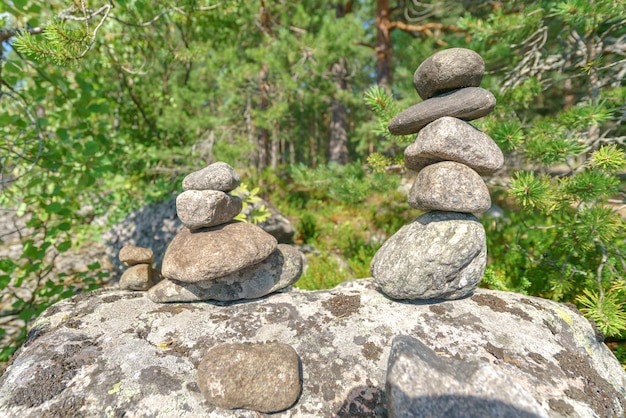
<point x="139" y="275"/>
<point x="216" y="258"/>
<point x="442" y="254"/>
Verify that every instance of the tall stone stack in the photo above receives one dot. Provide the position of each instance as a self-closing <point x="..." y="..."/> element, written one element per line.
<point x="216" y="258"/>
<point x="442" y="254"/>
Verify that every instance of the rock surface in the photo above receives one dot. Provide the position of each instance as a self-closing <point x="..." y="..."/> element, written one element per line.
<point x="205" y="208"/>
<point x="422" y="383"/>
<point x="439" y="255"/>
<point x="449" y="186"/>
<point x="217" y="176"/>
<point x="451" y="139"/>
<point x="137" y="277"/>
<point x="259" y="377"/>
<point x="114" y="352"/>
<point x="447" y="70"/>
<point x="131" y="255"/>
<point x="208" y="253"/>
<point x="468" y="104"/>
<point x="281" y="269"/>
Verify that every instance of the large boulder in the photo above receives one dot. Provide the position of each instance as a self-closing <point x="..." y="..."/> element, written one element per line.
<point x="114" y="352"/>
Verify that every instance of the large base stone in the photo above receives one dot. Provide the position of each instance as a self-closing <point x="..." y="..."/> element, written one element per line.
<point x="440" y="255"/>
<point x="117" y="353"/>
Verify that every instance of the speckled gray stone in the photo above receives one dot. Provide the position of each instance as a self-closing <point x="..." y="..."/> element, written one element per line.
<point x="262" y="377"/>
<point x="208" y="253"/>
<point x="206" y="208"/>
<point x="449" y="186"/>
<point x="421" y="383"/>
<point x="468" y="104"/>
<point x="137" y="277"/>
<point x="451" y="139"/>
<point x="217" y="176"/>
<point x="114" y="352"/>
<point x="447" y="70"/>
<point x="131" y="255"/>
<point x="439" y="255"/>
<point x="281" y="269"/>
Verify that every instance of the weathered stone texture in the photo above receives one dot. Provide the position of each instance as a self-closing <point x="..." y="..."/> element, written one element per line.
<point x="449" y="186"/>
<point x="451" y="139"/>
<point x="114" y="353"/>
<point x="205" y="208"/>
<point x="447" y="70"/>
<point x="217" y="176"/>
<point x="262" y="377"/>
<point x="440" y="255"/>
<point x="281" y="269"/>
<point x="208" y="253"/>
<point x="468" y="104"/>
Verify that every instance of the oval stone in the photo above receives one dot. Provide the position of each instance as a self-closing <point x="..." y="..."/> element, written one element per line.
<point x="217" y="176"/>
<point x="468" y="104"/>
<point x="447" y="70"/>
<point x="208" y="253"/>
<point x="451" y="139"/>
<point x="440" y="255"/>
<point x="132" y="254"/>
<point x="137" y="277"/>
<point x="263" y="377"/>
<point x="281" y="269"/>
<point x="205" y="208"/>
<point x="449" y="186"/>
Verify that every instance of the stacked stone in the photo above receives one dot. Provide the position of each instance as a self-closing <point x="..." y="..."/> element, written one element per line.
<point x="442" y="254"/>
<point x="139" y="275"/>
<point x="216" y="258"/>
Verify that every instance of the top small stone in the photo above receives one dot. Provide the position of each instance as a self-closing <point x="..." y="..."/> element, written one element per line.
<point x="447" y="70"/>
<point x="131" y="255"/>
<point x="217" y="176"/>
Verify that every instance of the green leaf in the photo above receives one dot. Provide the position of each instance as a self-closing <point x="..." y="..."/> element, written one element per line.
<point x="64" y="246"/>
<point x="53" y="208"/>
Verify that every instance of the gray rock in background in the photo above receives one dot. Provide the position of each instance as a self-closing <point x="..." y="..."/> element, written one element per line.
<point x="281" y="269"/>
<point x="263" y="377"/>
<point x="468" y="104"/>
<point x="439" y="255"/>
<point x="447" y="70"/>
<point x="217" y="176"/>
<point x="206" y="208"/>
<point x="113" y="352"/>
<point x="422" y="383"/>
<point x="451" y="139"/>
<point x="449" y="186"/>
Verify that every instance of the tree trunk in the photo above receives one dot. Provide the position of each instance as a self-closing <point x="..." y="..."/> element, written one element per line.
<point x="338" y="141"/>
<point x="263" y="134"/>
<point x="384" y="50"/>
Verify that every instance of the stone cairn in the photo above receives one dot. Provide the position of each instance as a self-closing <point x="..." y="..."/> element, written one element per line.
<point x="213" y="257"/>
<point x="216" y="258"/>
<point x="442" y="254"/>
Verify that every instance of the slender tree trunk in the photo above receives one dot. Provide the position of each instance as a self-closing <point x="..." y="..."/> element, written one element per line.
<point x="384" y="50"/>
<point x="338" y="140"/>
<point x="262" y="134"/>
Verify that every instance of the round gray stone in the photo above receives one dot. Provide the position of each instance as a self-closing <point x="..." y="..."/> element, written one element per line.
<point x="217" y="176"/>
<point x="208" y="253"/>
<point x="205" y="208"/>
<point x="263" y="377"/>
<point x="447" y="70"/>
<point x="468" y="104"/>
<point x="451" y="139"/>
<point x="281" y="269"/>
<point x="439" y="255"/>
<point x="137" y="277"/>
<point x="132" y="254"/>
<point x="449" y="186"/>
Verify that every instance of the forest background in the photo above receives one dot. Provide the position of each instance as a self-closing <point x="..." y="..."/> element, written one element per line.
<point x="106" y="105"/>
